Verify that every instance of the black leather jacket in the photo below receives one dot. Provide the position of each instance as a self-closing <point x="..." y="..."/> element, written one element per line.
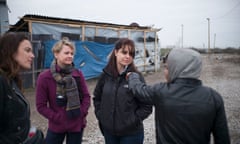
<point x="14" y="114"/>
<point x="117" y="110"/>
<point x="186" y="112"/>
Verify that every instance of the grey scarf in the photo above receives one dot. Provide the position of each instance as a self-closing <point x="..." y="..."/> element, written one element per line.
<point x="66" y="86"/>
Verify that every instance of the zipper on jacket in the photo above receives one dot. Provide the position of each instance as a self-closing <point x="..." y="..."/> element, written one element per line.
<point x="115" y="101"/>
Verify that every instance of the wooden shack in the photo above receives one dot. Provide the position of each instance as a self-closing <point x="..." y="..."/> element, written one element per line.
<point x="44" y="28"/>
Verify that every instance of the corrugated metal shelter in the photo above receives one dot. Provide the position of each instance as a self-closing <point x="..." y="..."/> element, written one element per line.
<point x="89" y="37"/>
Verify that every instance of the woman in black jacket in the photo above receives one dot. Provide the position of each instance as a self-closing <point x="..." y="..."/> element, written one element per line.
<point x="120" y="115"/>
<point x="15" y="55"/>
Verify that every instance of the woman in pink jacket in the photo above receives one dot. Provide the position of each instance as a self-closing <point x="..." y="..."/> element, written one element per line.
<point x="63" y="97"/>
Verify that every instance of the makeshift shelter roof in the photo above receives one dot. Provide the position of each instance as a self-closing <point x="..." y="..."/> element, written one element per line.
<point x="23" y="23"/>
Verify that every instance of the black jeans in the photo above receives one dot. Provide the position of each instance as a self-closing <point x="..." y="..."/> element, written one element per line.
<point x="58" y="138"/>
<point x="136" y="138"/>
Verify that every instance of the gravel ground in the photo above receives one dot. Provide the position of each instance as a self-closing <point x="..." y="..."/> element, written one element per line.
<point x="220" y="71"/>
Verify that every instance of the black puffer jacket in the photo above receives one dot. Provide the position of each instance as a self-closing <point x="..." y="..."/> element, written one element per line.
<point x="14" y="114"/>
<point x="117" y="110"/>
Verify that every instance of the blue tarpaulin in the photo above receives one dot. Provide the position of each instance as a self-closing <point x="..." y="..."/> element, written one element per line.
<point x="90" y="57"/>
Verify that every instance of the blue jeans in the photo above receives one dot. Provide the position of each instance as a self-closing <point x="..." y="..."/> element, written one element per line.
<point x="136" y="138"/>
<point x="58" y="138"/>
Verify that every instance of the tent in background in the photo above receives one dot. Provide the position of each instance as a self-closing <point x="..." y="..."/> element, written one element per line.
<point x="90" y="57"/>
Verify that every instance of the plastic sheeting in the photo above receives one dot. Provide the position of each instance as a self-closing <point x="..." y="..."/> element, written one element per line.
<point x="90" y="57"/>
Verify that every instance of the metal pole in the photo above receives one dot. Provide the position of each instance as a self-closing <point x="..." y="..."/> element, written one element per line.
<point x="182" y="35"/>
<point x="214" y="42"/>
<point x="208" y="19"/>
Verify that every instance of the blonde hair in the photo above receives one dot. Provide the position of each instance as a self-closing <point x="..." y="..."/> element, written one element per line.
<point x="65" y="41"/>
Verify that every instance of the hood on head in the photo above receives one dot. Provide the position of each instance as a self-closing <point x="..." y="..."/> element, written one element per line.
<point x="184" y="63"/>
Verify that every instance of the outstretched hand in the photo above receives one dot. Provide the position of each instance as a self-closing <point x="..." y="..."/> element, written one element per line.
<point x="127" y="75"/>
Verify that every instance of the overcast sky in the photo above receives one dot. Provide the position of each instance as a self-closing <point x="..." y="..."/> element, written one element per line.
<point x="173" y="16"/>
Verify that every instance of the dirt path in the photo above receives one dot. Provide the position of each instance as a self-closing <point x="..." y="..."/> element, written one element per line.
<point x="221" y="72"/>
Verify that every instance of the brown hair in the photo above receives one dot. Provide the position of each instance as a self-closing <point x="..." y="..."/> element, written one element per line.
<point x="112" y="64"/>
<point x="9" y="43"/>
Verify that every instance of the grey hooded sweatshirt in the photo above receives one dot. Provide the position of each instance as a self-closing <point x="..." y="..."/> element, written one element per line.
<point x="186" y="112"/>
<point x="184" y="63"/>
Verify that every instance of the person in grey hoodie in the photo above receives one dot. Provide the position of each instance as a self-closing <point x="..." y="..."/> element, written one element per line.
<point x="186" y="112"/>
